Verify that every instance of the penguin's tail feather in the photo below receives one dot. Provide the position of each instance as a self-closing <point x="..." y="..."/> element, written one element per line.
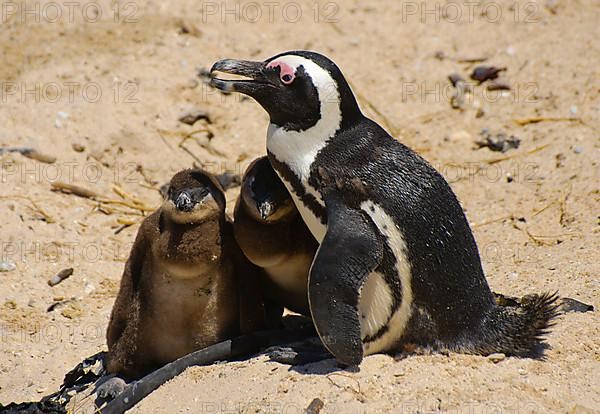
<point x="516" y="330"/>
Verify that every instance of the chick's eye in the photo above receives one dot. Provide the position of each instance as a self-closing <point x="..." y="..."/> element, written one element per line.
<point x="287" y="78"/>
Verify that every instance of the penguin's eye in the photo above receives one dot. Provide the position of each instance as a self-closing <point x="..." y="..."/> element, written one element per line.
<point x="287" y="73"/>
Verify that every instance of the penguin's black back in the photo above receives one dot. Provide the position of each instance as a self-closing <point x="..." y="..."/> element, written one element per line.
<point x="447" y="278"/>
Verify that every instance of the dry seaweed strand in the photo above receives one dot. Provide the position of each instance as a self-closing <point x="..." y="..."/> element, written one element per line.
<point x="66" y="188"/>
<point x="110" y="210"/>
<point x="125" y="195"/>
<point x="471" y="60"/>
<point x="538" y="119"/>
<point x="149" y="182"/>
<point x="357" y="391"/>
<point x="542" y="240"/>
<point x="518" y="154"/>
<point x="125" y="223"/>
<point x="30" y="153"/>
<point x="185" y="136"/>
<point x="91" y="195"/>
<point x="563" y="205"/>
<point x="546" y="207"/>
<point x="494" y="220"/>
<point x="34" y="206"/>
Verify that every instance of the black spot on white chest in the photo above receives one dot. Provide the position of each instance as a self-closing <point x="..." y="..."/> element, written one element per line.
<point x="306" y="198"/>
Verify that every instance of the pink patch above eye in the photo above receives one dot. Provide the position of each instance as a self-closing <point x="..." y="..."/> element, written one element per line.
<point x="287" y="73"/>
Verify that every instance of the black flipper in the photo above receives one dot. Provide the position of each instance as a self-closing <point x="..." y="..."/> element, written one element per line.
<point x="351" y="250"/>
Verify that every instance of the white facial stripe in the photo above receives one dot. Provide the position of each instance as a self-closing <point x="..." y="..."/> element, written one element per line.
<point x="298" y="149"/>
<point x="399" y="319"/>
<point x="301" y="147"/>
<point x="375" y="304"/>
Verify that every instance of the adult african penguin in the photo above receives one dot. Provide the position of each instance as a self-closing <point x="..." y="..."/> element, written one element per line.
<point x="397" y="262"/>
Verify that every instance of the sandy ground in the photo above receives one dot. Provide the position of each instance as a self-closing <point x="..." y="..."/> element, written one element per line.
<point x="100" y="87"/>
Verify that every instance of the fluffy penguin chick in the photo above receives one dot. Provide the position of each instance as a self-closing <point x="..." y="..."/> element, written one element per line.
<point x="397" y="262"/>
<point x="178" y="291"/>
<point x="273" y="236"/>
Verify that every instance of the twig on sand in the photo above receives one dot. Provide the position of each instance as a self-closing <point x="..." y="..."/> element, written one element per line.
<point x="541" y="240"/>
<point x="233" y="348"/>
<point x="188" y="135"/>
<point x="74" y="189"/>
<point x="356" y="391"/>
<point x="494" y="220"/>
<point x="66" y="188"/>
<point x="518" y="154"/>
<point x="124" y="223"/>
<point x="34" y="206"/>
<point x="30" y="153"/>
<point x="538" y="119"/>
<point x="125" y="195"/>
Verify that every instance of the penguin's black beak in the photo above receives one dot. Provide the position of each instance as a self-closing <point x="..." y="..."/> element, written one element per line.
<point x="255" y="71"/>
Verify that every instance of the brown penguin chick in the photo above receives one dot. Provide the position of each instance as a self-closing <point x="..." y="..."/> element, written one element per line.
<point x="273" y="236"/>
<point x="178" y="292"/>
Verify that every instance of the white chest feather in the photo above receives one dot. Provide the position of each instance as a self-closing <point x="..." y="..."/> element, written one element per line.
<point x="375" y="304"/>
<point x="298" y="149"/>
<point x="313" y="223"/>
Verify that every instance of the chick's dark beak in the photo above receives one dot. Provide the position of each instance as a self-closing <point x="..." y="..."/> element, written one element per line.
<point x="265" y="209"/>
<point x="253" y="70"/>
<point x="184" y="202"/>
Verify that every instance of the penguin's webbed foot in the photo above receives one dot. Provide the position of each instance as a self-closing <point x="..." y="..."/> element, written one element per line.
<point x="297" y="354"/>
<point x="111" y="388"/>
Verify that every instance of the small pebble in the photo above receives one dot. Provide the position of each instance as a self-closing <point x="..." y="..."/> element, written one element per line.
<point x="60" y="117"/>
<point x="7" y="266"/>
<point x="315" y="406"/>
<point x="60" y="276"/>
<point x="498" y="85"/>
<point x="483" y="73"/>
<point x="455" y="78"/>
<point x="522" y="371"/>
<point x="460" y="136"/>
<point x="78" y="147"/>
<point x="578" y="150"/>
<point x="88" y="288"/>
<point x="497" y="357"/>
